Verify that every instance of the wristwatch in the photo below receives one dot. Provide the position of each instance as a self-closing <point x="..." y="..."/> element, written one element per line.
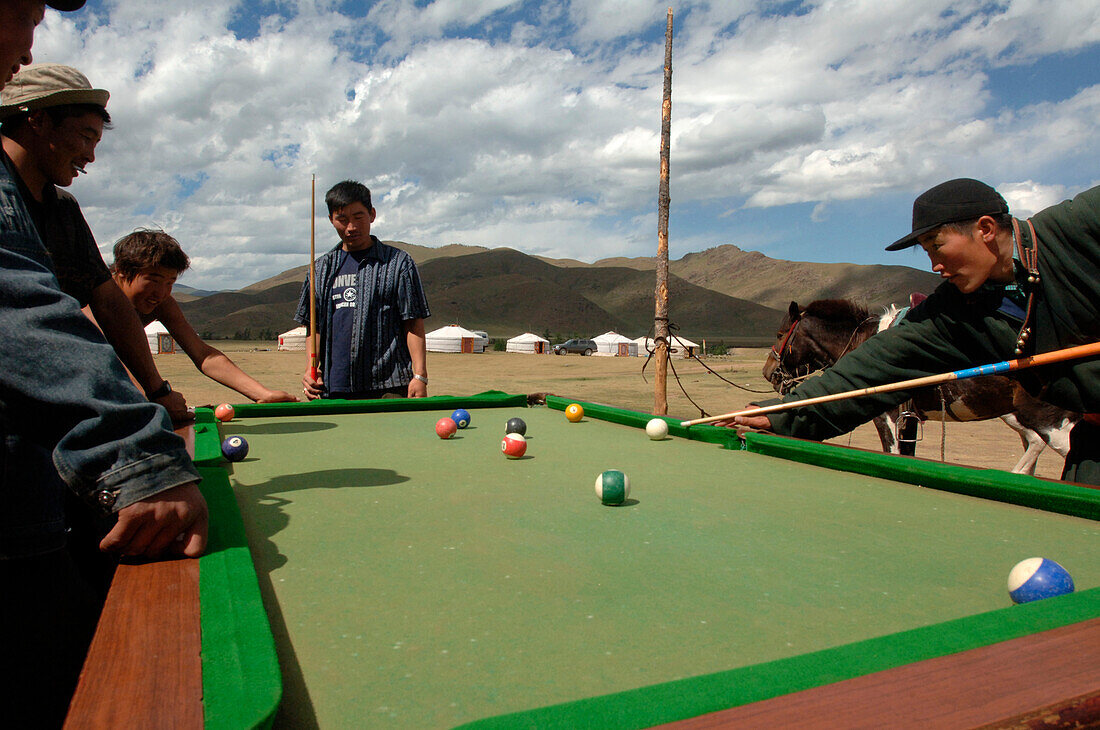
<point x="422" y="378"/>
<point x="164" y="389"/>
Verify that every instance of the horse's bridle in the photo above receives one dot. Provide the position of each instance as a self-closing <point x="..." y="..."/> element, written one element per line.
<point x="778" y="354"/>
<point x="787" y="379"/>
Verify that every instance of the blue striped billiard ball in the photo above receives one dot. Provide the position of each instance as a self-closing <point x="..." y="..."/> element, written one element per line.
<point x="1037" y="578"/>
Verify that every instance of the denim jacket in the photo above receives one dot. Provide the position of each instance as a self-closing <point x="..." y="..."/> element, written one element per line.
<point x="67" y="408"/>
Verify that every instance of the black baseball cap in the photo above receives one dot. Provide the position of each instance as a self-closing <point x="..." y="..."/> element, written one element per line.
<point x="950" y="202"/>
<point x="66" y="4"/>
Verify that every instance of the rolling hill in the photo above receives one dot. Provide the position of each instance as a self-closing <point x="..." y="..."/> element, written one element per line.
<point x="773" y="282"/>
<point x="721" y="293"/>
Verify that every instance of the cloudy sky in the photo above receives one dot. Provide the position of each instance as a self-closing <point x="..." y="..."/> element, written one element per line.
<point x="799" y="129"/>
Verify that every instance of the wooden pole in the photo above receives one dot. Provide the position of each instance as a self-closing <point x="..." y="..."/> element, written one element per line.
<point x="1070" y="353"/>
<point x="660" y="316"/>
<point x="312" y="283"/>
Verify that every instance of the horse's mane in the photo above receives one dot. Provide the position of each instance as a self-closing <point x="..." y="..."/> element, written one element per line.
<point x="838" y="310"/>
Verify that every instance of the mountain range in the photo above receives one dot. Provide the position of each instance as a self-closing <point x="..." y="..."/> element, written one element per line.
<point x="723" y="293"/>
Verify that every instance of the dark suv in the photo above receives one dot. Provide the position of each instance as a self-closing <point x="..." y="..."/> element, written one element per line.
<point x="580" y="347"/>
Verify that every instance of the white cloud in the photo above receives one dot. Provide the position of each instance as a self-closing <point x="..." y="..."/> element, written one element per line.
<point x="600" y="20"/>
<point x="1029" y="197"/>
<point x="536" y="125"/>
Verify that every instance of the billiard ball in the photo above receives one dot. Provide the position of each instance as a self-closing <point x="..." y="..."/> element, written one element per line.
<point x="513" y="446"/>
<point x="224" y="412"/>
<point x="445" y="428"/>
<point x="461" y="417"/>
<point x="234" y="448"/>
<point x="612" y="487"/>
<point x="515" y="425"/>
<point x="657" y="429"/>
<point x="1037" y="578"/>
<point x="574" y="412"/>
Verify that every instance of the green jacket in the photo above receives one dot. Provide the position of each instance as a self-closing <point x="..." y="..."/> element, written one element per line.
<point x="950" y="331"/>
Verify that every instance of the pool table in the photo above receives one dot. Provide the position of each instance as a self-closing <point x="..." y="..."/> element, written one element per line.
<point x="363" y="572"/>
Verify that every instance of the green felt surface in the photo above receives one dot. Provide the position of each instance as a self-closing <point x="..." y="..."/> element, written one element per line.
<point x="416" y="582"/>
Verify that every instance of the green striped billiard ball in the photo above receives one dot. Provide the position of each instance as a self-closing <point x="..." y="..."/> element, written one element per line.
<point x="612" y="487"/>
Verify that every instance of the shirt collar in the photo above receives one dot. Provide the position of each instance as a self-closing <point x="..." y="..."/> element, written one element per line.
<point x="374" y="252"/>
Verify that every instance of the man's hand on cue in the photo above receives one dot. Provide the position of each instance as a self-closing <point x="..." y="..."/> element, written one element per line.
<point x="748" y="423"/>
<point x="310" y="387"/>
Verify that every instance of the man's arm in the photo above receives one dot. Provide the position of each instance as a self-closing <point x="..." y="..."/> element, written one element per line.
<point x="63" y="387"/>
<point x="121" y="326"/>
<point x="418" y="352"/>
<point x="212" y="362"/>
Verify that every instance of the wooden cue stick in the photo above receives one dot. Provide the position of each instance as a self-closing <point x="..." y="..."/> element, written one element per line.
<point x="1046" y="358"/>
<point x="312" y="283"/>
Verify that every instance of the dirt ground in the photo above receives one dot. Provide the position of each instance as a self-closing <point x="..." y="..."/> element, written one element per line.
<point x="611" y="380"/>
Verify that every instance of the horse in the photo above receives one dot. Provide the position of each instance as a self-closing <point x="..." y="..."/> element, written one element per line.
<point x="813" y="338"/>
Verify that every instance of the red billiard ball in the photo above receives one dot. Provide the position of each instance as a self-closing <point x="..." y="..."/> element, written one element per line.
<point x="513" y="446"/>
<point x="445" y="428"/>
<point x="224" y="412"/>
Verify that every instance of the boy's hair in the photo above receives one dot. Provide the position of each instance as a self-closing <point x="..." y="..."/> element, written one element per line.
<point x="146" y="248"/>
<point x="58" y="114"/>
<point x="345" y="193"/>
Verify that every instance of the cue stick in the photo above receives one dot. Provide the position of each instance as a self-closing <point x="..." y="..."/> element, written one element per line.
<point x="1046" y="358"/>
<point x="312" y="284"/>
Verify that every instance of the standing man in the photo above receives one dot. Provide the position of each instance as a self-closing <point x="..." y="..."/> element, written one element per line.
<point x="1011" y="288"/>
<point x="370" y="310"/>
<point x="69" y="420"/>
<point x="52" y="121"/>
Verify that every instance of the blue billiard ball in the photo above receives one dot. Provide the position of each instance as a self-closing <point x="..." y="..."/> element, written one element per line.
<point x="234" y="448"/>
<point x="1037" y="578"/>
<point x="461" y="417"/>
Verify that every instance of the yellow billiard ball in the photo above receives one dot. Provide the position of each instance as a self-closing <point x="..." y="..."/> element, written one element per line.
<point x="574" y="412"/>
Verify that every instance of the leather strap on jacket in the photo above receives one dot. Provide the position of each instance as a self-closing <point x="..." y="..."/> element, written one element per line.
<point x="1029" y="257"/>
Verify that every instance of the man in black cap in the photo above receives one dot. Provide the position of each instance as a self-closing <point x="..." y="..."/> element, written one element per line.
<point x="1011" y="288"/>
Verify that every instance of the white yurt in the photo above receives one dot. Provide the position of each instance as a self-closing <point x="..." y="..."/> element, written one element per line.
<point x="160" y="342"/>
<point x="681" y="347"/>
<point x="453" y="338"/>
<point x="294" y="339"/>
<point x="612" y="344"/>
<point x="529" y="343"/>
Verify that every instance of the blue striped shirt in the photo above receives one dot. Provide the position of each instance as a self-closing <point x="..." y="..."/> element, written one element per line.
<point x="387" y="292"/>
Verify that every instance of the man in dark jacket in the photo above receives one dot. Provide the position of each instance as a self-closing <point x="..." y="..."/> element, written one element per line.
<point x="1011" y="288"/>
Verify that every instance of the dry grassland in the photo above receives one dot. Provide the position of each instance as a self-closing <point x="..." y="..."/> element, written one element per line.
<point x="611" y="380"/>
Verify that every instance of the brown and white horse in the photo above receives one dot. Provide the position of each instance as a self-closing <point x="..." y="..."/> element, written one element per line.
<point x="815" y="337"/>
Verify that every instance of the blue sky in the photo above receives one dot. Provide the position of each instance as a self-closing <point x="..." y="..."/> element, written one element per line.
<point x="800" y="129"/>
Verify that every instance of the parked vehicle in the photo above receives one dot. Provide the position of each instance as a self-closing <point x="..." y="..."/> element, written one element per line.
<point x="576" y="346"/>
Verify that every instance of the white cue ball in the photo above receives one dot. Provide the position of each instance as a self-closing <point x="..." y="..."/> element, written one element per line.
<point x="657" y="429"/>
